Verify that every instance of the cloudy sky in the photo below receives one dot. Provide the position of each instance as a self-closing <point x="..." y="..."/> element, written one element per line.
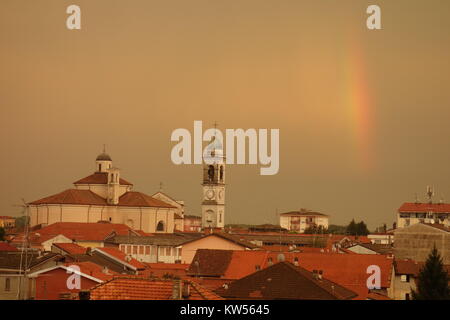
<point x="363" y="115"/>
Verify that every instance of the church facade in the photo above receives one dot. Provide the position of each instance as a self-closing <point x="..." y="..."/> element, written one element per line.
<point x="105" y="196"/>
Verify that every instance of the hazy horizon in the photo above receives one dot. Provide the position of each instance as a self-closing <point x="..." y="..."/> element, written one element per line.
<point x="362" y="114"/>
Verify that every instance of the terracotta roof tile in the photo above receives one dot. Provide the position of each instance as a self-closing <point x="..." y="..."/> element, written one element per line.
<point x="116" y="253"/>
<point x="99" y="178"/>
<point x="80" y="231"/>
<point x="7" y="247"/>
<point x="139" y="199"/>
<point x="210" y="263"/>
<point x="283" y="280"/>
<point x="93" y="270"/>
<point x="377" y="296"/>
<point x="425" y="207"/>
<point x="73" y="196"/>
<point x="70" y="248"/>
<point x="134" y="288"/>
<point x="348" y="270"/>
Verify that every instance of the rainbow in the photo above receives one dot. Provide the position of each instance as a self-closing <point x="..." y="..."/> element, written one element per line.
<point x="359" y="103"/>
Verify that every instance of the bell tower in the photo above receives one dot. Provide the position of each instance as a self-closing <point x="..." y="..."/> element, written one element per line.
<point x="213" y="204"/>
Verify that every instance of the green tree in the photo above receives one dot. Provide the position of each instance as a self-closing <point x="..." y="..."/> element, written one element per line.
<point x="351" y="228"/>
<point x="314" y="229"/>
<point x="433" y="279"/>
<point x="335" y="229"/>
<point x="2" y="234"/>
<point x="361" y="229"/>
<point x="357" y="229"/>
<point x="21" y="222"/>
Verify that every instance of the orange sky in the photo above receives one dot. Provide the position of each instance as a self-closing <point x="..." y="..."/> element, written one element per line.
<point x="139" y="69"/>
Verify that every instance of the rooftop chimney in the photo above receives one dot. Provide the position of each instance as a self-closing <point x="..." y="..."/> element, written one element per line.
<point x="186" y="289"/>
<point x="176" y="290"/>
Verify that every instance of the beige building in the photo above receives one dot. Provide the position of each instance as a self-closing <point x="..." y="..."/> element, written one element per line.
<point x="7" y="222"/>
<point x="403" y="279"/>
<point x="415" y="212"/>
<point x="299" y="221"/>
<point x="105" y="196"/>
<point x="416" y="242"/>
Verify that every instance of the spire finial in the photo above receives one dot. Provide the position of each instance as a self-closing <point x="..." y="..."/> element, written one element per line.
<point x="104" y="148"/>
<point x="160" y="186"/>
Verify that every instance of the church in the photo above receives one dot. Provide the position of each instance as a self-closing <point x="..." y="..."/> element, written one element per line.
<point x="105" y="196"/>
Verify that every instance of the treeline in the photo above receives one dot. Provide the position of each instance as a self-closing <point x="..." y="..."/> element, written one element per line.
<point x="352" y="229"/>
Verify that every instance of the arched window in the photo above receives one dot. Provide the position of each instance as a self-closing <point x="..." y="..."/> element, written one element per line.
<point x="160" y="226"/>
<point x="211" y="173"/>
<point x="99" y="167"/>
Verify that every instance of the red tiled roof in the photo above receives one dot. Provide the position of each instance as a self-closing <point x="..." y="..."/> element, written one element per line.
<point x="162" y="269"/>
<point x="133" y="288"/>
<point x="425" y="207"/>
<point x="70" y="248"/>
<point x="167" y="266"/>
<point x="87" y="197"/>
<point x="116" y="253"/>
<point x="99" y="178"/>
<point x="7" y="247"/>
<point x="80" y="231"/>
<point x="283" y="280"/>
<point x="93" y="270"/>
<point x="73" y="196"/>
<point x="7" y="217"/>
<point x="210" y="263"/>
<point x="348" y="270"/>
<point x="139" y="199"/>
<point x="377" y="296"/>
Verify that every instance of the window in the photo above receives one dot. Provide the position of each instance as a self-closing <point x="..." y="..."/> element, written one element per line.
<point x="7" y="284"/>
<point x="147" y="250"/>
<point x="160" y="226"/>
<point x="135" y="249"/>
<point x="141" y="249"/>
<point x="168" y="251"/>
<point x="407" y="296"/>
<point x="128" y="249"/>
<point x="161" y="251"/>
<point x="404" y="278"/>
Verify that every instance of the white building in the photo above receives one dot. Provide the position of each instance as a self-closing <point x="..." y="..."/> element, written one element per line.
<point x="299" y="221"/>
<point x="105" y="196"/>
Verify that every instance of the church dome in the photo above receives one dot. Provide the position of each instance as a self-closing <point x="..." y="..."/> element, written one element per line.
<point x="103" y="157"/>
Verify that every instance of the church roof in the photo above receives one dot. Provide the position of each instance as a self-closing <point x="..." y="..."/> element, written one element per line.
<point x="103" y="157"/>
<point x="73" y="196"/>
<point x="99" y="178"/>
<point x="139" y="199"/>
<point x="87" y="197"/>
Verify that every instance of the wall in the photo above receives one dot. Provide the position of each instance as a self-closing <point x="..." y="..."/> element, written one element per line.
<point x="415" y="242"/>
<point x="50" y="284"/>
<point x="210" y="242"/>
